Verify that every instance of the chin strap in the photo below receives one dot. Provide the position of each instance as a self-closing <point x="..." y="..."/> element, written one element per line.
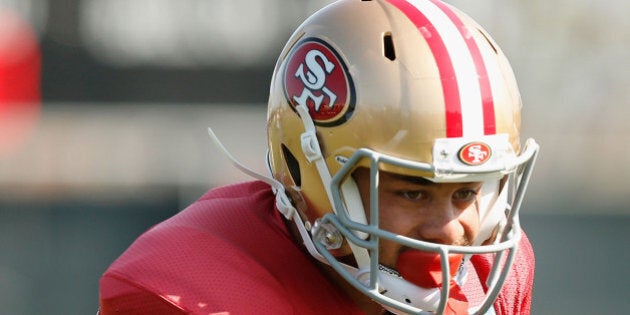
<point x="312" y="151"/>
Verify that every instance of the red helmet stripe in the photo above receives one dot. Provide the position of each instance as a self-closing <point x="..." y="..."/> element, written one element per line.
<point x="484" y="81"/>
<point x="469" y="104"/>
<point x="445" y="66"/>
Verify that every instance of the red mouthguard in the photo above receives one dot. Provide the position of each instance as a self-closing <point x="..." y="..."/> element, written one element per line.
<point x="423" y="268"/>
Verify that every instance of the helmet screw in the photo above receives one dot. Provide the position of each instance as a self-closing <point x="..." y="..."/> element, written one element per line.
<point x="328" y="235"/>
<point x="444" y="154"/>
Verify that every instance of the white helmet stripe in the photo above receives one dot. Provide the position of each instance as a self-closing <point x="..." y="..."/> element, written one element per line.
<point x="487" y="101"/>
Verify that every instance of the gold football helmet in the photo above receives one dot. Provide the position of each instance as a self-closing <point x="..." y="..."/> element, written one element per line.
<point x="412" y="87"/>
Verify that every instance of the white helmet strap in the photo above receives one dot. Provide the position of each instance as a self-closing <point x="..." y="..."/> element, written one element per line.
<point x="312" y="151"/>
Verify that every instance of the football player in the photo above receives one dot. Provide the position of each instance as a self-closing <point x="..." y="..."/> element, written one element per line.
<point x="397" y="173"/>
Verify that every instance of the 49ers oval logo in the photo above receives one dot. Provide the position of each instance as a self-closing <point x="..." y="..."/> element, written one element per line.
<point x="315" y="76"/>
<point x="475" y="153"/>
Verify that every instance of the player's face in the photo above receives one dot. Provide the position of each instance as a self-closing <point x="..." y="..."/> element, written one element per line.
<point x="444" y="213"/>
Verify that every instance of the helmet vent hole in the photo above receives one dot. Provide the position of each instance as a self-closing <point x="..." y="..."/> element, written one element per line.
<point x="388" y="47"/>
<point x="293" y="165"/>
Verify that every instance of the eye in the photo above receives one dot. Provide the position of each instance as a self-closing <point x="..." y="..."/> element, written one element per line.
<point x="412" y="194"/>
<point x="465" y="195"/>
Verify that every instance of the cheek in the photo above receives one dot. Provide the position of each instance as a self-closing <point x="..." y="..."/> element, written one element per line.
<point x="394" y="218"/>
<point x="390" y="221"/>
<point x="397" y="221"/>
<point x="469" y="220"/>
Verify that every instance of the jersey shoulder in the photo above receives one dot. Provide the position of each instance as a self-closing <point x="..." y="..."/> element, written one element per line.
<point x="227" y="252"/>
<point x="199" y="260"/>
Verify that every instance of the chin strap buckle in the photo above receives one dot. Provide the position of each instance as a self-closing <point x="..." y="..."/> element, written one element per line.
<point x="310" y="146"/>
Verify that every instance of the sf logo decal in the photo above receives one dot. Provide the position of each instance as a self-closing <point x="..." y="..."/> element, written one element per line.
<point x="475" y="153"/>
<point x="316" y="77"/>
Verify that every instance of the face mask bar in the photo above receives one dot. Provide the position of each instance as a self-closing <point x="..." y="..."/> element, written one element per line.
<point x="347" y="223"/>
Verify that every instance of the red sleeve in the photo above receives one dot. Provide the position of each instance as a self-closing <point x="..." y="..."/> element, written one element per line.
<point x="119" y="296"/>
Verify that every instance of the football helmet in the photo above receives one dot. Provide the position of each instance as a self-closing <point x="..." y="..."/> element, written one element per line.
<point x="411" y="87"/>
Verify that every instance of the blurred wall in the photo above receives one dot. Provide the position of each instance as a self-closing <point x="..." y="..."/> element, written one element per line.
<point x="129" y="88"/>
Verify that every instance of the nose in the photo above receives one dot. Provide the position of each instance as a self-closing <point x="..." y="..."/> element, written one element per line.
<point x="442" y="225"/>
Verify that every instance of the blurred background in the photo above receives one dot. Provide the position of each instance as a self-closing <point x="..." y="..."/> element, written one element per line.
<point x="128" y="88"/>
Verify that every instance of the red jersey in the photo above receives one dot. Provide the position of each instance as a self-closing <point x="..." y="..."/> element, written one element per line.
<point x="231" y="253"/>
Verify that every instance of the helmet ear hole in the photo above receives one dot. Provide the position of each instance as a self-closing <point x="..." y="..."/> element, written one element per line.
<point x="293" y="165"/>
